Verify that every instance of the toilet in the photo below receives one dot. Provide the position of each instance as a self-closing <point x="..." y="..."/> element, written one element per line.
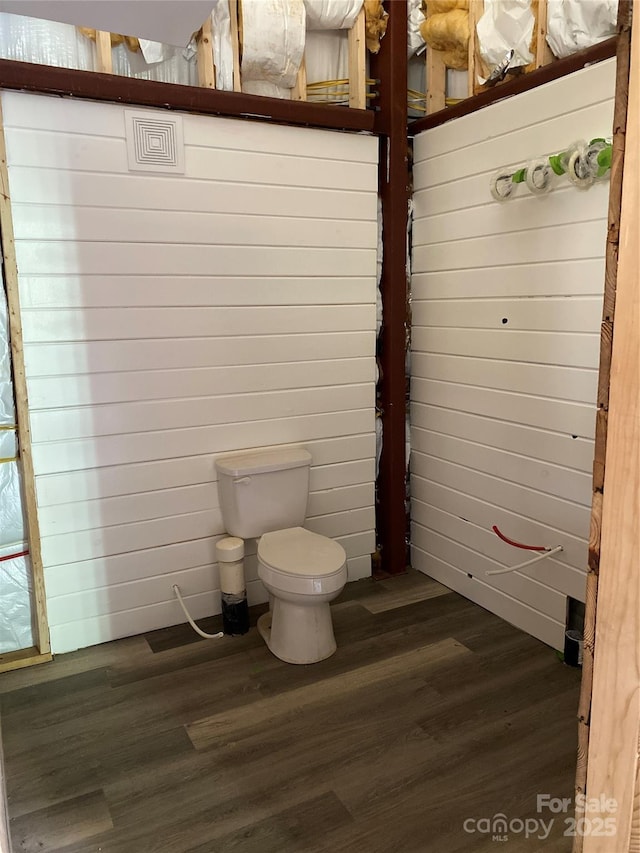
<point x="263" y="495"/>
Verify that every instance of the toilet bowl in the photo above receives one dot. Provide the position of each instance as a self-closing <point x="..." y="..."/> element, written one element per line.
<point x="302" y="572"/>
<point x="263" y="496"/>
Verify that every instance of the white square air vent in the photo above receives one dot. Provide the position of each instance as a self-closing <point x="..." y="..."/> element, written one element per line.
<point x="154" y="143"/>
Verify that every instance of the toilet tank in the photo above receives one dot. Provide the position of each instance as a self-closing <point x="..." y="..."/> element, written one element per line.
<point x="265" y="490"/>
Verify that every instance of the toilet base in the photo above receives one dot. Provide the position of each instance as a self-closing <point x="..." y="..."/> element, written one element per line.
<point x="298" y="633"/>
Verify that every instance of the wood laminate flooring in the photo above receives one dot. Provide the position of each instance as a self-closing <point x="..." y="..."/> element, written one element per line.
<point x="431" y="713"/>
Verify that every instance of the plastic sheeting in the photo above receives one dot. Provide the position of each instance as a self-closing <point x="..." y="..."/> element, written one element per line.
<point x="12" y="528"/>
<point x="154" y="51"/>
<point x="327" y="58"/>
<point x="8" y="445"/>
<point x="7" y="411"/>
<point x="332" y="14"/>
<point x="175" y="68"/>
<point x="273" y="38"/>
<point x="51" y="43"/>
<point x="16" y="630"/>
<point x="271" y="57"/>
<point x="44" y="42"/>
<point x="575" y="24"/>
<point x="266" y="89"/>
<point x="506" y="24"/>
<point x="7" y="408"/>
<point x="222" y="49"/>
<point x="415" y="42"/>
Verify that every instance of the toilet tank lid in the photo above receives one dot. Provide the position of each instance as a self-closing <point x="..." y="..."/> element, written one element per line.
<point x="262" y="461"/>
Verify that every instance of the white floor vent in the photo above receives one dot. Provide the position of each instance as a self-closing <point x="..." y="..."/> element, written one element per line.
<point x="154" y="144"/>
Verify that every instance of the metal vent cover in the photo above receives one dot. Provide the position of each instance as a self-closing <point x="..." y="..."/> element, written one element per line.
<point x="154" y="143"/>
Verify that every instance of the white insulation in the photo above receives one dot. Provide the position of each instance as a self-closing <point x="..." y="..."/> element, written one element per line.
<point x="273" y="37"/>
<point x="16" y="630"/>
<point x="332" y="14"/>
<point x="222" y="49"/>
<point x="327" y="58"/>
<point x="506" y="25"/>
<point x="415" y="17"/>
<point x="575" y="24"/>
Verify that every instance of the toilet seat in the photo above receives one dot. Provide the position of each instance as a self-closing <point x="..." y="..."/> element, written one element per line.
<point x="297" y="560"/>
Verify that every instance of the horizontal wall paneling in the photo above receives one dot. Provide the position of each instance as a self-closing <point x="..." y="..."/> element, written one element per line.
<point x="169" y="319"/>
<point x="506" y="310"/>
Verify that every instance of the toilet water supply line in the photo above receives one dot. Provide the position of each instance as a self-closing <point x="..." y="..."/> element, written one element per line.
<point x="543" y="549"/>
<point x="233" y="593"/>
<point x="202" y="633"/>
<point x="582" y="163"/>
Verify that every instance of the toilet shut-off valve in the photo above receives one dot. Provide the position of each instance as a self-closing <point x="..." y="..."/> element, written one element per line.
<point x="235" y="610"/>
<point x="233" y="593"/>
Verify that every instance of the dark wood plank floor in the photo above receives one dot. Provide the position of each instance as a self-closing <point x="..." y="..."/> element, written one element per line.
<point x="432" y="712"/>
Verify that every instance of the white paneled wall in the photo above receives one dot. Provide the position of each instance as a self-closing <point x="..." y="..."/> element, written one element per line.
<point x="170" y="319"/>
<point x="506" y="315"/>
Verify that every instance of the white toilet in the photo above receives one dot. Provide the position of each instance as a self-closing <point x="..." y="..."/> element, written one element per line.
<point x="263" y="494"/>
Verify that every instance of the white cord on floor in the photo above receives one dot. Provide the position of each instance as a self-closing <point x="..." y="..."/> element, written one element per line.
<point x="537" y="559"/>
<point x="202" y="633"/>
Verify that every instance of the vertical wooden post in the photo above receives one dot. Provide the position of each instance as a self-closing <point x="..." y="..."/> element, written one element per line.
<point x="104" y="59"/>
<point x="358" y="64"/>
<point x="613" y="757"/>
<point x="22" y="408"/>
<point x="476" y="9"/>
<point x="235" y="44"/>
<point x="436" y="72"/>
<point x="299" y="91"/>
<point x="206" y="69"/>
<point x="543" y="52"/>
<point x="390" y="67"/>
<point x="5" y="837"/>
<point x="606" y="340"/>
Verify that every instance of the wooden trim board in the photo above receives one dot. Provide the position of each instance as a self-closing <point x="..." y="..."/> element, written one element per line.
<point x="612" y="770"/>
<point x="23" y="658"/>
<point x="299" y="91"/>
<point x="22" y="402"/>
<point x="606" y="340"/>
<point x="357" y="64"/>
<point x="5" y="835"/>
<point x="26" y="76"/>
<point x="206" y="70"/>
<point x="104" y="58"/>
<point x="234" y="13"/>
<point x="436" y="81"/>
<point x="543" y="52"/>
<point x="474" y="61"/>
